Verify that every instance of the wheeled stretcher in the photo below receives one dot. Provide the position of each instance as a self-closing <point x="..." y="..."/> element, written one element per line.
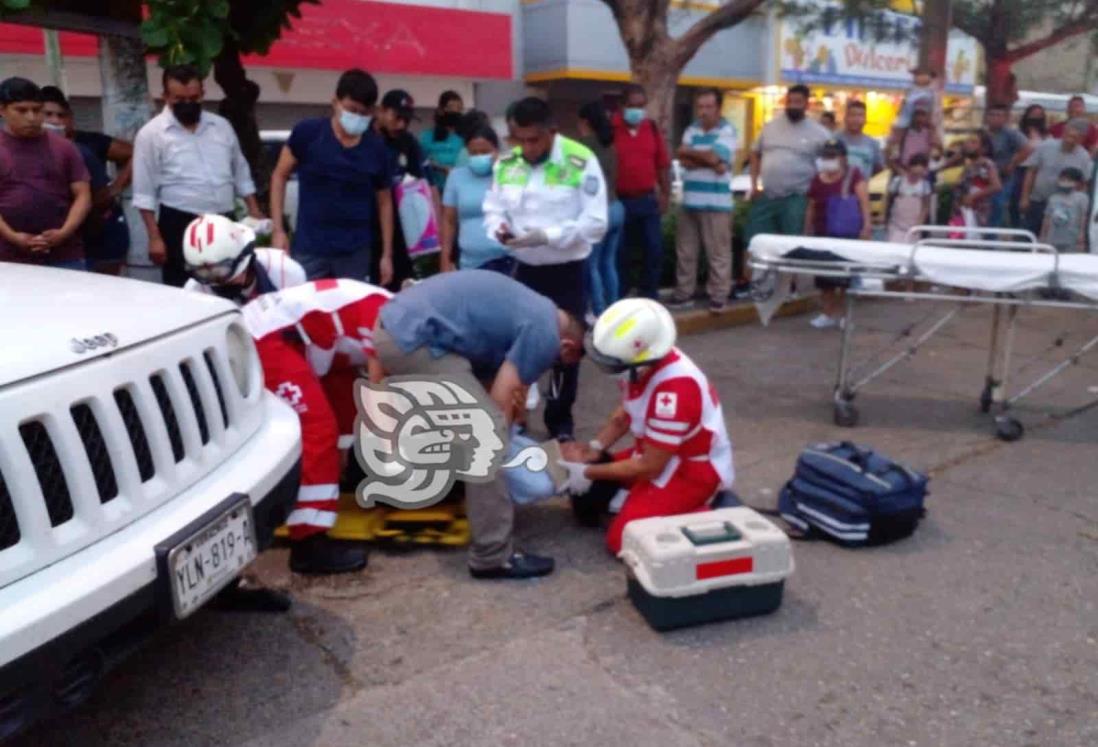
<point x="1007" y="269"/>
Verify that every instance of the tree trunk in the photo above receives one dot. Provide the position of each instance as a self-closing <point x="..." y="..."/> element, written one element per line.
<point x="1002" y="89"/>
<point x="934" y="50"/>
<point x="238" y="106"/>
<point x="660" y="78"/>
<point x="126" y="108"/>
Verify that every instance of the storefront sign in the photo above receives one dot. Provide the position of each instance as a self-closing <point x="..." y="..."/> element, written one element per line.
<point x="339" y="34"/>
<point x="875" y="54"/>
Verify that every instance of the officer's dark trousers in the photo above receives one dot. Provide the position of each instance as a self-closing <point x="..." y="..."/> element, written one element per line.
<point x="565" y="285"/>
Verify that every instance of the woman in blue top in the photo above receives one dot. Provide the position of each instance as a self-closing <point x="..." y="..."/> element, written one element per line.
<point x="602" y="264"/>
<point x="463" y="212"/>
<point x="441" y="143"/>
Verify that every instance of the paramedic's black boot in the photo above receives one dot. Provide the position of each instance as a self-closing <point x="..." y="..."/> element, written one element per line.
<point x="519" y="565"/>
<point x="239" y="596"/>
<point x="320" y="554"/>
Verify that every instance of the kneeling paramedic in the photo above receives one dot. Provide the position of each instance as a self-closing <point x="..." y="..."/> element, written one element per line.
<point x="682" y="454"/>
<point x="497" y="336"/>
<point x="221" y="258"/>
<point x="313" y="342"/>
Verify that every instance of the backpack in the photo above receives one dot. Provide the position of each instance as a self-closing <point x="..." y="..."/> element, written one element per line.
<point x="844" y="212"/>
<point x="852" y="495"/>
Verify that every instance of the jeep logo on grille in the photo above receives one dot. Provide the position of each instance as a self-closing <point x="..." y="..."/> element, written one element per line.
<point x="81" y="345"/>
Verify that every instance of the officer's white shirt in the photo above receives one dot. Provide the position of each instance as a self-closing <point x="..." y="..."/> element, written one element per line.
<point x="574" y="219"/>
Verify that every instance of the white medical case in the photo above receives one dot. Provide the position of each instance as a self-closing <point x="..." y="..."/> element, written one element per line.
<point x="707" y="566"/>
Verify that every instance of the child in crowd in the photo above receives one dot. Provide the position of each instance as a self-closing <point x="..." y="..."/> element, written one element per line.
<point x="979" y="182"/>
<point x="909" y="199"/>
<point x="920" y="95"/>
<point x="1065" y="225"/>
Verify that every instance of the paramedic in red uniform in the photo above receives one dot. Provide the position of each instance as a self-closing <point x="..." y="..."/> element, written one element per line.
<point x="682" y="454"/>
<point x="314" y="340"/>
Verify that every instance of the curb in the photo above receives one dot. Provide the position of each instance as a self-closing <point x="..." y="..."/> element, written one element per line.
<point x="737" y="315"/>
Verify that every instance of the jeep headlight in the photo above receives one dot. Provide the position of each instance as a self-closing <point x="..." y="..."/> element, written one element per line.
<point x="243" y="359"/>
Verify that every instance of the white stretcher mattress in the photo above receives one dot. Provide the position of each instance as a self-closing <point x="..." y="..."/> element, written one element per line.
<point x="993" y="270"/>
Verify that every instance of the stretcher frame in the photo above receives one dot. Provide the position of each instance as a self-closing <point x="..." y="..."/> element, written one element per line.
<point x="995" y="398"/>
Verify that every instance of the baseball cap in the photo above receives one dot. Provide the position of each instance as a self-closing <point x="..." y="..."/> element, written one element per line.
<point x="401" y="102"/>
<point x="833" y="147"/>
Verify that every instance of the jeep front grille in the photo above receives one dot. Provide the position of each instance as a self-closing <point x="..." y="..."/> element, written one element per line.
<point x="47" y="466"/>
<point x="163" y="399"/>
<point x="140" y="444"/>
<point x="96" y="448"/>
<point x="9" y="527"/>
<point x="128" y="435"/>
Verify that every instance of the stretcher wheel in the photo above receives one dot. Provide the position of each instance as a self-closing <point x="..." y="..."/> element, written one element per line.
<point x="846" y="415"/>
<point x="985" y="398"/>
<point x="1008" y="429"/>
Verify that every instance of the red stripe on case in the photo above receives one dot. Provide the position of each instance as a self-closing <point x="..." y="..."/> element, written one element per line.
<point x="725" y="568"/>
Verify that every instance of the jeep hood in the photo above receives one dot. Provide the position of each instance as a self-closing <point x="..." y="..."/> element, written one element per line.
<point x="51" y="319"/>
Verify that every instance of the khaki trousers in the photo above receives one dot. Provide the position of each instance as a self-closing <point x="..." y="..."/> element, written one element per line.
<point x="711" y="229"/>
<point x="488" y="505"/>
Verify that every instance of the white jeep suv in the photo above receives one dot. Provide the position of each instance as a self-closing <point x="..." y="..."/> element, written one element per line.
<point x="142" y="466"/>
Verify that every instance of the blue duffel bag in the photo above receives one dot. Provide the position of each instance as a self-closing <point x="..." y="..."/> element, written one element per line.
<point x="853" y="495"/>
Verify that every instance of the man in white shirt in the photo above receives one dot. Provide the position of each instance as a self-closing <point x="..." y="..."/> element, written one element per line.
<point x="547" y="204"/>
<point x="187" y="162"/>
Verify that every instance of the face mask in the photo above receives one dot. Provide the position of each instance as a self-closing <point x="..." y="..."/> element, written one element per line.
<point x="53" y="127"/>
<point x="633" y="116"/>
<point x="187" y="112"/>
<point x="828" y="164"/>
<point x="481" y="165"/>
<point x="1065" y="186"/>
<point x="795" y="115"/>
<point x="353" y="124"/>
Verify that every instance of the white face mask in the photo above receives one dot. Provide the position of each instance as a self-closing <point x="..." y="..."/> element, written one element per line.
<point x="54" y="127"/>
<point x="353" y="124"/>
<point x="828" y="164"/>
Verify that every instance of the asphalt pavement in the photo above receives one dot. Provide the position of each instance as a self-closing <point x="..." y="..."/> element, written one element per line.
<point x="981" y="629"/>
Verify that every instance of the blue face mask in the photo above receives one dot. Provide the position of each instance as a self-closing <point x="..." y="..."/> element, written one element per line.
<point x="633" y="116"/>
<point x="353" y="124"/>
<point x="481" y="165"/>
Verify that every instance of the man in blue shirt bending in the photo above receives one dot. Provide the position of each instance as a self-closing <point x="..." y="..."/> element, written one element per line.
<point x="481" y="326"/>
<point x="344" y="175"/>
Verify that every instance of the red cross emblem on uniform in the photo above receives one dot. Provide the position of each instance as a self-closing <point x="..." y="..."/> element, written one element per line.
<point x="666" y="405"/>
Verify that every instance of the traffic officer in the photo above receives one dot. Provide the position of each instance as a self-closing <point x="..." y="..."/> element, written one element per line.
<point x="682" y="454"/>
<point x="313" y="341"/>
<point x="221" y="258"/>
<point x="547" y="203"/>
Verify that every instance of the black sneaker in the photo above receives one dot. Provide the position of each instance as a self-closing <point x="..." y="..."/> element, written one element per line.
<point x="717" y="307"/>
<point x="519" y="565"/>
<point x="675" y="303"/>
<point x="741" y="292"/>
<point x="320" y="554"/>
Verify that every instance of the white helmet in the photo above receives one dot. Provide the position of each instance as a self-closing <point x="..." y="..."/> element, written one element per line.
<point x="216" y="249"/>
<point x="631" y="333"/>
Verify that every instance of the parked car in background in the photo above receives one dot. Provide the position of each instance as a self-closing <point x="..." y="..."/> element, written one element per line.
<point x="143" y="465"/>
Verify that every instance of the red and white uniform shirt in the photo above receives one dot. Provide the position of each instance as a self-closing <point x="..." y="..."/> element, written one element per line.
<point x="315" y="374"/>
<point x="676" y="409"/>
<point x="334" y="318"/>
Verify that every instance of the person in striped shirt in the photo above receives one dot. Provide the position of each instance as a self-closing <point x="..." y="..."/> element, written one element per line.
<point x="705" y="220"/>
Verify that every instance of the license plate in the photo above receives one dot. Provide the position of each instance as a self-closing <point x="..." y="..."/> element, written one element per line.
<point x="202" y="564"/>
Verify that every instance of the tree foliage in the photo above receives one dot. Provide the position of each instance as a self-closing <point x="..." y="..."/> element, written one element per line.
<point x="196" y="31"/>
<point x="1016" y="29"/>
